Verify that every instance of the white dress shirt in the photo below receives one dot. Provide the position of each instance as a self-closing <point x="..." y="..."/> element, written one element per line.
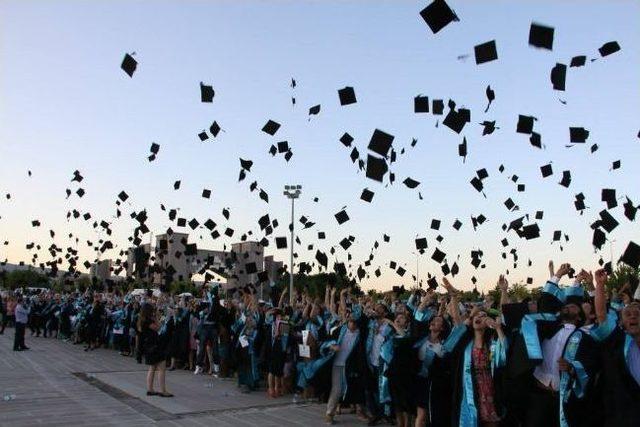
<point x="378" y="340"/>
<point x="552" y="349"/>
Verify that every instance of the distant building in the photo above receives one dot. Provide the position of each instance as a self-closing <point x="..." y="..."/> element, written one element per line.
<point x="249" y="261"/>
<point x="101" y="270"/>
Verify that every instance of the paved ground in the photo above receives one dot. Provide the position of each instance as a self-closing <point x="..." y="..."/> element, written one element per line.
<point x="56" y="383"/>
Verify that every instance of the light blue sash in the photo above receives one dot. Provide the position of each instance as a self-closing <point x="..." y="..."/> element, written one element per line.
<point x="529" y="330"/>
<point x="555" y="290"/>
<point x="423" y="315"/>
<point x="580" y="383"/>
<point x="468" y="411"/>
<point x="604" y="329"/>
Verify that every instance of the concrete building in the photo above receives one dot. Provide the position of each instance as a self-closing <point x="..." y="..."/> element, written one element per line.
<point x="101" y="270"/>
<point x="248" y="263"/>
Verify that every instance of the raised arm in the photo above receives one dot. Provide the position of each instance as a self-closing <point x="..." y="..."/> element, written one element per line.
<point x="283" y="297"/>
<point x="600" y="296"/>
<point x="454" y="310"/>
<point x="327" y="295"/>
<point x="503" y="285"/>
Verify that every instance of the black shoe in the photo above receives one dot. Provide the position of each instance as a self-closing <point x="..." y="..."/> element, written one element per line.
<point x="17" y="349"/>
<point x="25" y="348"/>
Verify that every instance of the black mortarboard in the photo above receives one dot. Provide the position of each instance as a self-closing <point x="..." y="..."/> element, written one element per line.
<point x="432" y="283"/>
<point x="438" y="15"/>
<point x="437" y="106"/>
<point x="421" y="243"/>
<point x="376" y="168"/>
<point x="594" y="148"/>
<point x="271" y="127"/>
<point x="410" y="183"/>
<point x="80" y="192"/>
<point x="176" y="185"/>
<point x="123" y="196"/>
<point x="346" y="139"/>
<point x="509" y="203"/>
<point x="477" y="184"/>
<point x="457" y="224"/>
<point x="182" y="222"/>
<point x="263" y="195"/>
<point x="609" y="48"/>
<point x="455" y="120"/>
<point x="281" y="242"/>
<point x="541" y="36"/>
<point x="215" y="234"/>
<point x="438" y="256"/>
<point x="347" y="95"/>
<point x="355" y="155"/>
<point x="283" y="147"/>
<point x="578" y="134"/>
<point x="345" y="243"/>
<point x="193" y="223"/>
<point x="386" y="238"/>
<point x="486" y="52"/>
<point x="488" y="127"/>
<point x="631" y="255"/>
<point x="229" y="232"/>
<point x="536" y="139"/>
<point x="380" y="142"/>
<point x="531" y="231"/>
<point x="615" y="165"/>
<point x="203" y="136"/>
<point x="630" y="210"/>
<point x="559" y="76"/>
<point x="367" y="195"/>
<point x="462" y="148"/>
<point x="210" y="224"/>
<point x="214" y="129"/>
<point x="578" y="61"/>
<point x="521" y="188"/>
<point x="251" y="268"/>
<point x="129" y="64"/>
<point x="557" y="235"/>
<point x="539" y="215"/>
<point x="225" y="213"/>
<point x="342" y="217"/>
<point x="504" y="242"/>
<point x="206" y="93"/>
<point x="482" y="173"/>
<point x="608" y="222"/>
<point x="246" y="164"/>
<point x="435" y="224"/>
<point x="546" y="170"/>
<point x="314" y="110"/>
<point x="525" y="124"/>
<point x="154" y="148"/>
<point x="421" y="104"/>
<point x="609" y="196"/>
<point x="206" y="193"/>
<point x="566" y="179"/>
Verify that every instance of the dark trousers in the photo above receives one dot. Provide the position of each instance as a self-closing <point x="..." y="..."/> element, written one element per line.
<point x="18" y="339"/>
<point x="543" y="409"/>
<point x="208" y="333"/>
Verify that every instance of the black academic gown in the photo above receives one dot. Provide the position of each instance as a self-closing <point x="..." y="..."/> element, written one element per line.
<point x="620" y="391"/>
<point x="520" y="368"/>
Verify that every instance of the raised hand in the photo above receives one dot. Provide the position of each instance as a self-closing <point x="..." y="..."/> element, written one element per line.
<point x="503" y="284"/>
<point x="551" y="268"/>
<point x="601" y="277"/>
<point x="447" y="285"/>
<point x="563" y="270"/>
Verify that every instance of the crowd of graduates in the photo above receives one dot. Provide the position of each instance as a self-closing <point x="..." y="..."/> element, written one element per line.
<point x="569" y="358"/>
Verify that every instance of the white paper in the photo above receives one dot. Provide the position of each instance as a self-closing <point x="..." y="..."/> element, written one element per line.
<point x="304" y="350"/>
<point x="305" y="336"/>
<point x="244" y="342"/>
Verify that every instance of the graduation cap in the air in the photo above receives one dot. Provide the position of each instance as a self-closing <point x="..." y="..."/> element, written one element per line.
<point x="486" y="52"/>
<point x="438" y="15"/>
<point x="559" y="76"/>
<point x="271" y="127"/>
<point x="315" y="110"/>
<point x="421" y="104"/>
<point x="206" y="193"/>
<point x="421" y="243"/>
<point x="346" y="139"/>
<point x="566" y="179"/>
<point x="546" y="170"/>
<point x="214" y="129"/>
<point x="462" y="149"/>
<point x="609" y="48"/>
<point x="206" y="93"/>
<point x="437" y="106"/>
<point x="578" y="61"/>
<point x="609" y="196"/>
<point x="123" y="196"/>
<point x="631" y="255"/>
<point x="607" y="221"/>
<point x="578" y="134"/>
<point x="410" y="183"/>
<point x="488" y="127"/>
<point x="129" y="65"/>
<point x="541" y="36"/>
<point x="176" y="185"/>
<point x="367" y="195"/>
<point x="376" y="168"/>
<point x="342" y="217"/>
<point x="380" y="142"/>
<point x="347" y="95"/>
<point x="525" y="124"/>
<point x="630" y="210"/>
<point x="491" y="96"/>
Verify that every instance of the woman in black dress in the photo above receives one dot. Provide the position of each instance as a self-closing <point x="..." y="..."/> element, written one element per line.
<point x="153" y="351"/>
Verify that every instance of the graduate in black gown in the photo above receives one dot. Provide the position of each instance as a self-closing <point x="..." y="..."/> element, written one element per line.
<point x="432" y="385"/>
<point x="400" y="367"/>
<point x="153" y="350"/>
<point x="558" y="357"/>
<point x="477" y="348"/>
<point x="620" y="358"/>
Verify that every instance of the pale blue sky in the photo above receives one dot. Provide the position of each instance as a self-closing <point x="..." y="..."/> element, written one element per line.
<point x="65" y="105"/>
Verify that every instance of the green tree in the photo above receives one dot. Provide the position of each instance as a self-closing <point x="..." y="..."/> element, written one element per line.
<point x="25" y="278"/>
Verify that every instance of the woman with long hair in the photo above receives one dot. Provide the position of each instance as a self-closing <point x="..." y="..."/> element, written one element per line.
<point x="478" y="349"/>
<point x="154" y="354"/>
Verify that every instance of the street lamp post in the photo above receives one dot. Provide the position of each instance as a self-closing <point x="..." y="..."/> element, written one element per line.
<point x="417" y="254"/>
<point x="292" y="192"/>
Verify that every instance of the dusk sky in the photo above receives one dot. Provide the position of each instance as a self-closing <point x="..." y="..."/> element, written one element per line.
<point x="65" y="104"/>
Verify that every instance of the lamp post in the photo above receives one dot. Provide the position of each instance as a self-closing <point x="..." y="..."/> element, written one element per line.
<point x="292" y="192"/>
<point x="417" y="254"/>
